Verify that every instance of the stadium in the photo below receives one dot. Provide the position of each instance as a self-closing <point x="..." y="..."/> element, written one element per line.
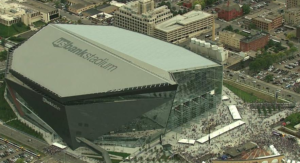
<point x="108" y="85"/>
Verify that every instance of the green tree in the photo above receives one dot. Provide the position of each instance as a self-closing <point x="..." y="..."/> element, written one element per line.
<point x="259" y="110"/>
<point x="270" y="110"/>
<point x="252" y="26"/>
<point x="269" y="78"/>
<point x="291" y="36"/>
<point x="20" y="160"/>
<point x="228" y="28"/>
<point x="3" y="41"/>
<point x="236" y="30"/>
<point x="246" y="9"/>
<point x="79" y="21"/>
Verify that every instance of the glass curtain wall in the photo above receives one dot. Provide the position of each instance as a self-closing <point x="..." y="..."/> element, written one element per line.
<point x="145" y="128"/>
<point x="198" y="92"/>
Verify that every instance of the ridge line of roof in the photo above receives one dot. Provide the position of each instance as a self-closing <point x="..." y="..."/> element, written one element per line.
<point x="170" y="81"/>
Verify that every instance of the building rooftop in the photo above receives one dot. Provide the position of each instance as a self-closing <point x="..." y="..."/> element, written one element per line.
<point x="261" y="19"/>
<point x="230" y="5"/>
<point x="238" y="36"/>
<point x="38" y="6"/>
<point x="78" y="6"/>
<point x="179" y="21"/>
<point x="91" y="12"/>
<point x="86" y="59"/>
<point x="253" y="38"/>
<point x="272" y="16"/>
<point x="109" y="9"/>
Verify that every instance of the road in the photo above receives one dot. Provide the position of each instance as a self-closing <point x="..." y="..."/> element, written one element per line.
<point x="286" y="94"/>
<point x="22" y="138"/>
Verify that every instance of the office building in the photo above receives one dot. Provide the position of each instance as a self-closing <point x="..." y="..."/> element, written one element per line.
<point x="230" y="40"/>
<point x="268" y="22"/>
<point x="141" y="16"/>
<point x="292" y="16"/>
<point x="292" y="3"/>
<point x="28" y="12"/>
<point x="109" y="85"/>
<point x="184" y="26"/>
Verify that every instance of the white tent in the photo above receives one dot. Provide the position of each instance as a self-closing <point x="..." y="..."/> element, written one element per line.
<point x="234" y="112"/>
<point x="224" y="98"/>
<point x="221" y="131"/>
<point x="59" y="145"/>
<point x="187" y="141"/>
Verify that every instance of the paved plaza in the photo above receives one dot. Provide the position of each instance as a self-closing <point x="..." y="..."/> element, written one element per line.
<point x="256" y="129"/>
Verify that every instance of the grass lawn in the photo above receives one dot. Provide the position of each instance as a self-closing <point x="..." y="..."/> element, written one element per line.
<point x="247" y="97"/>
<point x="123" y="155"/>
<point x="3" y="55"/>
<point x="8" y="31"/>
<point x="24" y="128"/>
<point x="39" y="24"/>
<point x="17" y="39"/>
<point x="6" y="113"/>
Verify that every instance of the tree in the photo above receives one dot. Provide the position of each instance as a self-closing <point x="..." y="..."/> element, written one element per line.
<point x="269" y="78"/>
<point x="246" y="9"/>
<point x="19" y="160"/>
<point x="270" y="110"/>
<point x="236" y="30"/>
<point x="228" y="28"/>
<point x="291" y="36"/>
<point x="79" y="21"/>
<point x="3" y="41"/>
<point x="252" y="26"/>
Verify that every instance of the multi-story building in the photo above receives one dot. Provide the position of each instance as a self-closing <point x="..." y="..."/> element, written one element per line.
<point x="117" y="88"/>
<point x="269" y="22"/>
<point x="254" y="43"/>
<point x="229" y="11"/>
<point x="47" y="13"/>
<point x="78" y="6"/>
<point x="141" y="16"/>
<point x="230" y="40"/>
<point x="184" y="26"/>
<point x="27" y="12"/>
<point x="292" y="16"/>
<point x="292" y="3"/>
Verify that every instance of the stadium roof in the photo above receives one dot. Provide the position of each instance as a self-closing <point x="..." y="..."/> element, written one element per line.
<point x="72" y="60"/>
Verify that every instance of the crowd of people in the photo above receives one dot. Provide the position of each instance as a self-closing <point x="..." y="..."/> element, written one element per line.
<point x="256" y="130"/>
<point x="52" y="150"/>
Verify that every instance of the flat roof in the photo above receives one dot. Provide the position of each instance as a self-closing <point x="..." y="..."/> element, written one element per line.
<point x="253" y="38"/>
<point x="85" y="59"/>
<point x="180" y="21"/>
<point x="38" y="6"/>
<point x="233" y="34"/>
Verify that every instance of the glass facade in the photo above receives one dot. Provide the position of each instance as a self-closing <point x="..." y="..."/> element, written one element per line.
<point x="130" y="120"/>
<point x="148" y="114"/>
<point x="198" y="91"/>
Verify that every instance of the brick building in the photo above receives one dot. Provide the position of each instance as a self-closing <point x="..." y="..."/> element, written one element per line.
<point x="268" y="22"/>
<point x="229" y="11"/>
<point x="254" y="43"/>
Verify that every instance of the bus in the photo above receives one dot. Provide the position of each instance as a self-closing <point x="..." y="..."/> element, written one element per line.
<point x="247" y="32"/>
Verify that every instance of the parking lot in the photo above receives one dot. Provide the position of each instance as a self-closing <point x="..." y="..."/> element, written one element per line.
<point x="285" y="73"/>
<point x="10" y="154"/>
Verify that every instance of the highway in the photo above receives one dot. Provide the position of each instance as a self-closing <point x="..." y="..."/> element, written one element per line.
<point x="261" y="85"/>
